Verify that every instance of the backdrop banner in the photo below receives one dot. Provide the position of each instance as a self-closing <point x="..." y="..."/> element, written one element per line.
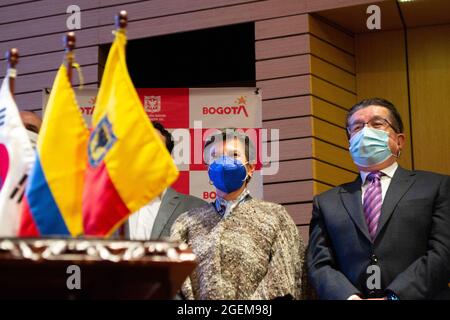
<point x="192" y="115"/>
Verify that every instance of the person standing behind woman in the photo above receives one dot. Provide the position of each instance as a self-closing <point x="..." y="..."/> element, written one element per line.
<point x="246" y="248"/>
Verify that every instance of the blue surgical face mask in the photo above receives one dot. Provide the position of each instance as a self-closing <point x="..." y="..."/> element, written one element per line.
<point x="370" y="147"/>
<point x="227" y="174"/>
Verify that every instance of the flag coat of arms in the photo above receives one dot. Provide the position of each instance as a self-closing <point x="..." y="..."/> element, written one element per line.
<point x="128" y="163"/>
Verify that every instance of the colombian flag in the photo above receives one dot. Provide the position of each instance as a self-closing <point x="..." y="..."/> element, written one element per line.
<point x="52" y="202"/>
<point x="128" y="163"/>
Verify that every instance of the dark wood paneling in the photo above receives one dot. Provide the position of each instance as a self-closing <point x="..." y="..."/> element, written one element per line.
<point x="296" y="149"/>
<point x="52" y="61"/>
<point x="290" y="192"/>
<point x="38" y="81"/>
<point x="281" y="27"/>
<point x="291" y="171"/>
<point x="285" y="87"/>
<point x="282" y="47"/>
<point x="282" y="67"/>
<point x="104" y="16"/>
<point x="152" y="26"/>
<point x="301" y="213"/>
<point x="286" y="107"/>
<point x="33" y="100"/>
<point x="45" y="8"/>
<point x="291" y="128"/>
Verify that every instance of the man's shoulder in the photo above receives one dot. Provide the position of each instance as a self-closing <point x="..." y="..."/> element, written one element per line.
<point x="334" y="191"/>
<point x="191" y="199"/>
<point x="424" y="178"/>
<point x="428" y="174"/>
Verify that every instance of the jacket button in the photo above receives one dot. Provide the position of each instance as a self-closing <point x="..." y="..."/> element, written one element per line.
<point x="374" y="259"/>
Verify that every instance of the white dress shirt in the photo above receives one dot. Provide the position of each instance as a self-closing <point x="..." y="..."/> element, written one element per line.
<point x="385" y="180"/>
<point x="141" y="222"/>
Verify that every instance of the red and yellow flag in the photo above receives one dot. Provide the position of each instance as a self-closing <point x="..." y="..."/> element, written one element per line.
<point x="128" y="164"/>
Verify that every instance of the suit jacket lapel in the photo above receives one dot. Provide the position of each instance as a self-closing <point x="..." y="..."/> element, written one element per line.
<point x="400" y="183"/>
<point x="352" y="199"/>
<point x="168" y="204"/>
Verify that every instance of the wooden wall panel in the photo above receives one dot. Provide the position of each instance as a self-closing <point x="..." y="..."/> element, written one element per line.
<point x="331" y="92"/>
<point x="319" y="188"/>
<point x="316" y="100"/>
<point x="33" y="100"/>
<point x="329" y="112"/>
<point x="330" y="133"/>
<point x="52" y="61"/>
<point x="333" y="86"/>
<point x="332" y="154"/>
<point x="332" y="54"/>
<point x="429" y="65"/>
<point x="296" y="149"/>
<point x="29" y="101"/>
<point x="183" y="17"/>
<point x="26" y="9"/>
<point x="330" y="174"/>
<point x="286" y="108"/>
<point x="282" y="67"/>
<point x="300" y="191"/>
<point x="282" y="47"/>
<point x="292" y="171"/>
<point x="305" y="69"/>
<point x="103" y="15"/>
<point x="331" y="35"/>
<point x="285" y="87"/>
<point x="333" y="74"/>
<point x="382" y="73"/>
<point x="38" y="81"/>
<point x="281" y="27"/>
<point x="301" y="213"/>
<point x="291" y="128"/>
<point x="283" y="73"/>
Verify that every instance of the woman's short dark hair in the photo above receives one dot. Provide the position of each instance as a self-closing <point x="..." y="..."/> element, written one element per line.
<point x="166" y="134"/>
<point x="396" y="119"/>
<point x="228" y="134"/>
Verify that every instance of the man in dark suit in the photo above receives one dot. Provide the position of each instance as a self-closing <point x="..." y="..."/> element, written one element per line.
<point x="385" y="235"/>
<point x="154" y="220"/>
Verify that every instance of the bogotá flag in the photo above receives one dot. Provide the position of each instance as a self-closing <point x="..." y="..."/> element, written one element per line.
<point x="52" y="202"/>
<point x="128" y="163"/>
<point x="16" y="159"/>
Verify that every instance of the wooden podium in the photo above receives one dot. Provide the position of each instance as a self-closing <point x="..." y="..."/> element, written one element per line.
<point x="108" y="269"/>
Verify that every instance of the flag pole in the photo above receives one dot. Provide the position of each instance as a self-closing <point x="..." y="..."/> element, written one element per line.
<point x="13" y="58"/>
<point x="121" y="22"/>
<point x="69" y="44"/>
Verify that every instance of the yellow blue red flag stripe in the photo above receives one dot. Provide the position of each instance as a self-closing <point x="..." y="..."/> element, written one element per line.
<point x="53" y="197"/>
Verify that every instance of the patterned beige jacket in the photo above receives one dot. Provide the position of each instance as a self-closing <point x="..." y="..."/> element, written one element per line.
<point x="253" y="253"/>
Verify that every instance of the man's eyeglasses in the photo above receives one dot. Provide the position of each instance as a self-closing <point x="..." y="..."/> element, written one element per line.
<point x="376" y="123"/>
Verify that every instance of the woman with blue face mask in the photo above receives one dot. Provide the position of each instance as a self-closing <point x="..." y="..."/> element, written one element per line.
<point x="246" y="248"/>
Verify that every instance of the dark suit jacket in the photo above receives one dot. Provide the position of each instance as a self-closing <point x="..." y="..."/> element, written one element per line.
<point x="411" y="248"/>
<point x="173" y="204"/>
